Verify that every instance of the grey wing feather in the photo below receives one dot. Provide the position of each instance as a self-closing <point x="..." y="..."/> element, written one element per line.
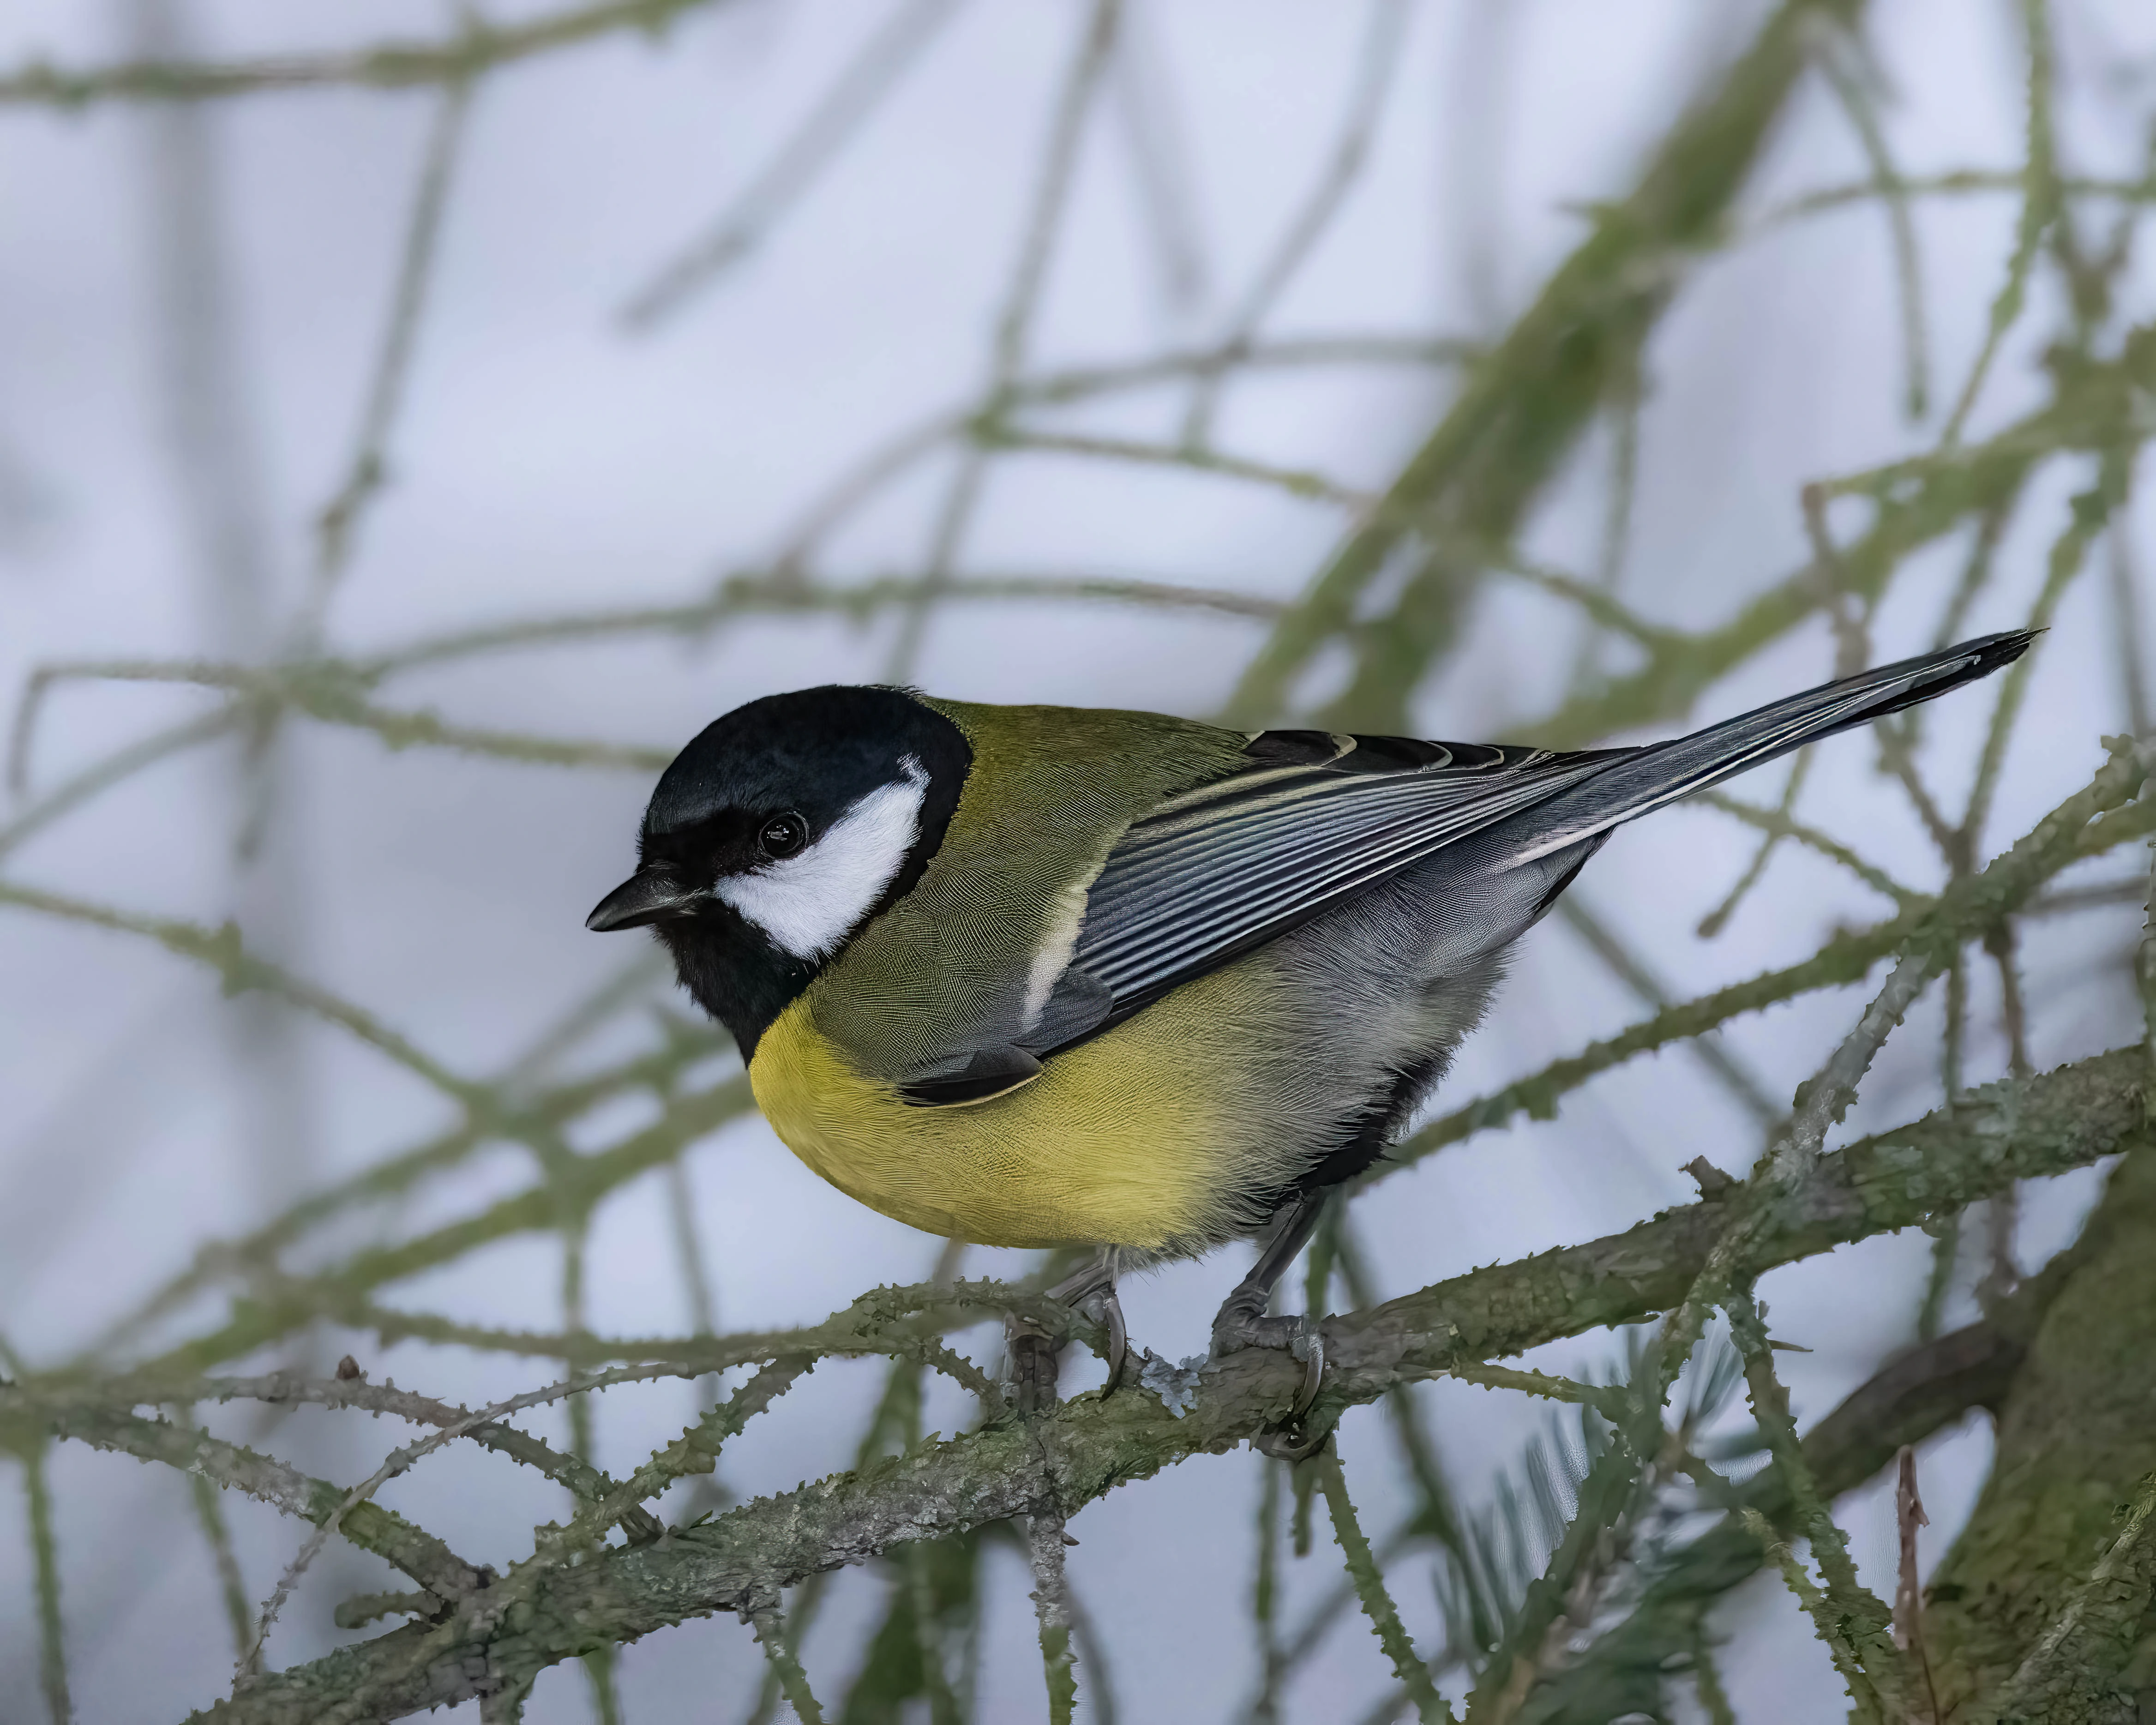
<point x="1320" y="818"/>
<point x="1239" y="862"/>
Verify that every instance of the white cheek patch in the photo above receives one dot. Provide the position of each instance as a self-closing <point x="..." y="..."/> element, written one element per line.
<point x="807" y="903"/>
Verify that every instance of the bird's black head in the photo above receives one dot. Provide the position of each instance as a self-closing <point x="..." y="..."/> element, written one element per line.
<point x="779" y="832"/>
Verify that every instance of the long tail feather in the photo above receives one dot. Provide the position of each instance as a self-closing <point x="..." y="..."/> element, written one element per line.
<point x="1636" y="784"/>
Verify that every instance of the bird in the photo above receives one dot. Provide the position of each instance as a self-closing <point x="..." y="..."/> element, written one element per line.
<point x="1044" y="976"/>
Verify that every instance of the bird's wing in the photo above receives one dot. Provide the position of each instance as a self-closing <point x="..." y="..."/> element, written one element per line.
<point x="1311" y="818"/>
<point x="1319" y="818"/>
<point x="1315" y="817"/>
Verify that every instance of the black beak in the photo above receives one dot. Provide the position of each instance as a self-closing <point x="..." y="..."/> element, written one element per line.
<point x="648" y="896"/>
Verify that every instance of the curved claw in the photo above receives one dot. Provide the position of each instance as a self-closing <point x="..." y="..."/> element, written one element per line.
<point x="1313" y="1371"/>
<point x="1091" y="1291"/>
<point x="1240" y="1324"/>
<point x="1119" y="1340"/>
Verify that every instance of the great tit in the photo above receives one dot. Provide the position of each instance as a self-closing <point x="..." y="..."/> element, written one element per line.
<point x="1044" y="976"/>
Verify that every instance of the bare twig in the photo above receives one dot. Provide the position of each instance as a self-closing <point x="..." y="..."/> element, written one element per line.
<point x="1378" y="1604"/>
<point x="1021" y="303"/>
<point x="477" y="47"/>
<point x="792" y="1681"/>
<point x="1908" y="1586"/>
<point x="1376" y="65"/>
<point x="1854" y="76"/>
<point x="44" y="1558"/>
<point x="2040" y="206"/>
<point x="843" y="111"/>
<point x="336" y="527"/>
<point x="1051" y="1605"/>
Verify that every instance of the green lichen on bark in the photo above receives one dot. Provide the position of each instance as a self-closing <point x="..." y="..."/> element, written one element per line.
<point x="541" y="1615"/>
<point x="2076" y="1448"/>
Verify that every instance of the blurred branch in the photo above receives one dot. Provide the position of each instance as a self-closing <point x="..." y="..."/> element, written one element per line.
<point x="333" y="693"/>
<point x="476" y="48"/>
<point x="411" y="1549"/>
<point x="1369" y="1583"/>
<point x="848" y="104"/>
<point x="1161" y="179"/>
<point x="116" y="768"/>
<point x="44" y="1560"/>
<point x="1631" y="970"/>
<point x="1778" y="823"/>
<point x="2040" y="206"/>
<point x="2089" y="513"/>
<point x="894" y="456"/>
<point x="1854" y="77"/>
<point x="753" y="595"/>
<point x="1054" y="177"/>
<point x="221" y="949"/>
<point x="1960" y="183"/>
<point x="2018" y="1130"/>
<point x="368" y="471"/>
<point x="1298" y="482"/>
<point x="279" y="1304"/>
<point x="1917" y="501"/>
<point x="1518" y="414"/>
<point x="333" y="690"/>
<point x="1376" y="65"/>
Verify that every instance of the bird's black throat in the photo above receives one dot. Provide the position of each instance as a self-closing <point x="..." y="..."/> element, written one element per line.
<point x="815" y="752"/>
<point x="733" y="970"/>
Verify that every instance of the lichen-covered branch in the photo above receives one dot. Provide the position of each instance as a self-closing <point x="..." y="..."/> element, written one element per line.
<point x="2018" y="1130"/>
<point x="2039" y="1610"/>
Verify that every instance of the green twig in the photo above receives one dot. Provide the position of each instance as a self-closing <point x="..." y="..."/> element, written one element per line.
<point x="45" y="1564"/>
<point x="1051" y="1605"/>
<point x="1855" y="87"/>
<point x="854" y="94"/>
<point x="478" y="47"/>
<point x="786" y="1666"/>
<point x="1377" y="1605"/>
<point x="1852" y="1620"/>
<point x="2040" y="206"/>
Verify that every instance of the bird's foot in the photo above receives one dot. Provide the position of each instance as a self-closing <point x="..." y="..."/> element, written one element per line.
<point x="1033" y="1351"/>
<point x="1242" y="1322"/>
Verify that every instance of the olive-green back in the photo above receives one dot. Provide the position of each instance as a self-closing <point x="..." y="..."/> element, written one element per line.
<point x="946" y="969"/>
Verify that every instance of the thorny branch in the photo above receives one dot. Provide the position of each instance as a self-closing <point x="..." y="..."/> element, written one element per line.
<point x="615" y="1568"/>
<point x="2015" y="1130"/>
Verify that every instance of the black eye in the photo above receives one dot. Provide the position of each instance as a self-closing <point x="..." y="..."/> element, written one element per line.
<point x="783" y="835"/>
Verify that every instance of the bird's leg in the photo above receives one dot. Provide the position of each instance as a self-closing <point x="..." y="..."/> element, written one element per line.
<point x="1032" y="1367"/>
<point x="1242" y="1322"/>
<point x="1032" y="1351"/>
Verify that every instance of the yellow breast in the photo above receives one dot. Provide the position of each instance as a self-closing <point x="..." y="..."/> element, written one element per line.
<point x="1124" y="1140"/>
